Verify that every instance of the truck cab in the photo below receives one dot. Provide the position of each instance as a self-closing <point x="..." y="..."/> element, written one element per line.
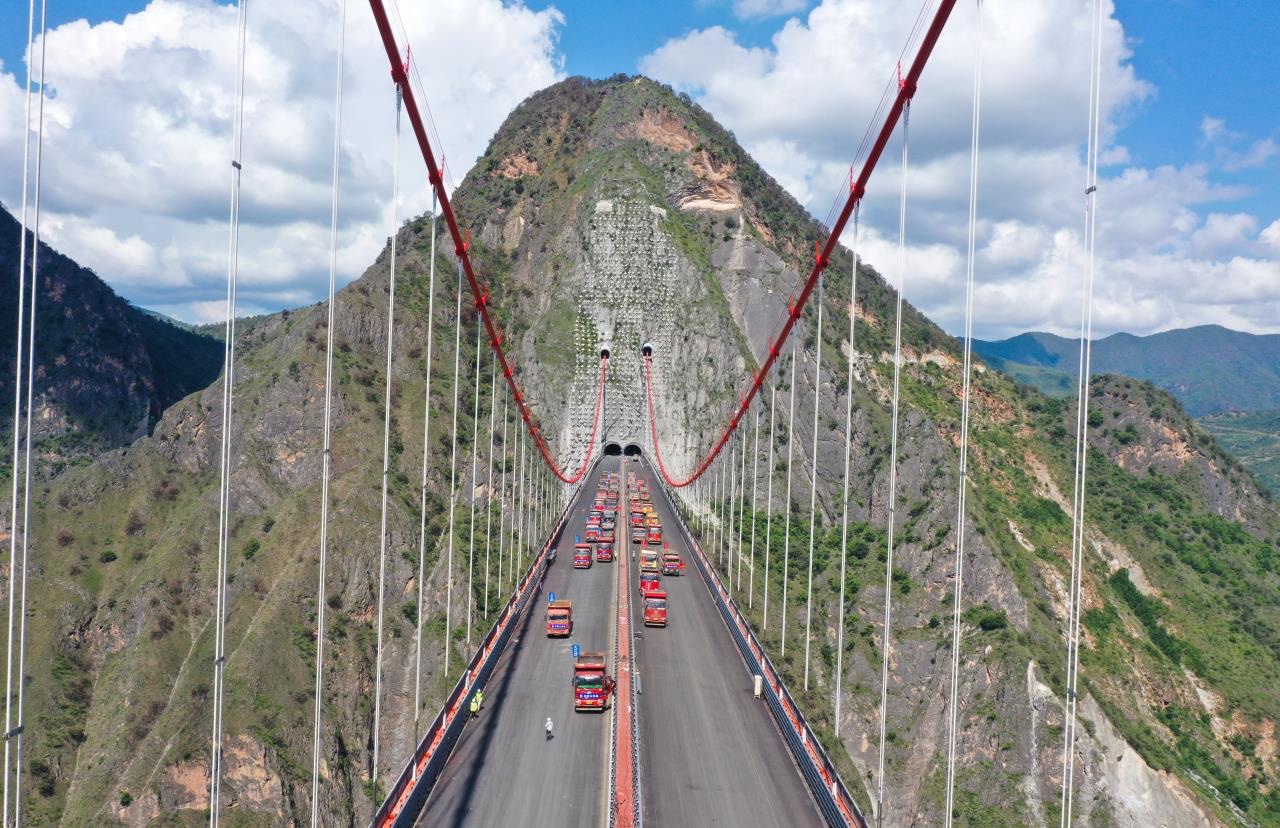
<point x="592" y="533"/>
<point x="672" y="564"/>
<point x="654" y="535"/>
<point x="638" y="535"/>
<point x="560" y="618"/>
<point x="582" y="556"/>
<point x="604" y="553"/>
<point x="592" y="685"/>
<point x="655" y="609"/>
<point x="649" y="561"/>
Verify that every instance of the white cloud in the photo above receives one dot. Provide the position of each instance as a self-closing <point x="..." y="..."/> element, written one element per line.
<point x="137" y="138"/>
<point x="767" y="8"/>
<point x="801" y="104"/>
<point x="1225" y="143"/>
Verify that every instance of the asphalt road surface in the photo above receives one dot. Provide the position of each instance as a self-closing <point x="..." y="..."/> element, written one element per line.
<point x="710" y="753"/>
<point x="503" y="770"/>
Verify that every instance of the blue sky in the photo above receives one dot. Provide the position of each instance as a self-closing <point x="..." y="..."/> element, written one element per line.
<point x="1193" y="186"/>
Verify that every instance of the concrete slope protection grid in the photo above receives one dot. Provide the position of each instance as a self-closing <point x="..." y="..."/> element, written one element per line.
<point x="711" y="752"/>
<point x="503" y="770"/>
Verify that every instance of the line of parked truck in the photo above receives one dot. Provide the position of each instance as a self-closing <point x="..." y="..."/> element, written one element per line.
<point x="592" y="685"/>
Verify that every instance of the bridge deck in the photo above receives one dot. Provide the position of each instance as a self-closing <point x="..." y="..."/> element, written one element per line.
<point x="503" y="771"/>
<point x="710" y="753"/>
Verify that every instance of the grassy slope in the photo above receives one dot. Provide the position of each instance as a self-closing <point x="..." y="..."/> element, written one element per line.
<point x="1254" y="437"/>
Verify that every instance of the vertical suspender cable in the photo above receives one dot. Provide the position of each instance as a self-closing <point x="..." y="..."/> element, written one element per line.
<point x="786" y="538"/>
<point x="1082" y="417"/>
<point x="893" y="465"/>
<point x="963" y="486"/>
<point x="17" y="404"/>
<point x="768" y="506"/>
<point x="732" y="508"/>
<point x="488" y="499"/>
<point x="224" y="457"/>
<point x="517" y="435"/>
<point x="328" y="420"/>
<point x="471" y="488"/>
<point x="717" y="492"/>
<point x="453" y="472"/>
<point x="848" y="445"/>
<point x="426" y="457"/>
<point x="386" y="438"/>
<point x="726" y="462"/>
<point x="755" y="503"/>
<point x="813" y="496"/>
<point x="502" y="494"/>
<point x="742" y="504"/>
<point x="26" y="471"/>
<point x="520" y="512"/>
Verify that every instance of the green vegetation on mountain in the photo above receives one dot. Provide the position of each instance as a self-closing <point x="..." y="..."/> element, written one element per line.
<point x="1208" y="368"/>
<point x="1254" y="437"/>
<point x="111" y="369"/>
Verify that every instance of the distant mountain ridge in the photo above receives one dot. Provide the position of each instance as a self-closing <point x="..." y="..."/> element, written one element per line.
<point x="1209" y="368"/>
<point x="106" y="370"/>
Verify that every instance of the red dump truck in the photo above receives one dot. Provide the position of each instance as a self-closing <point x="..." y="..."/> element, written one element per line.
<point x="582" y="556"/>
<point x="604" y="553"/>
<point x="671" y="563"/>
<point x="592" y="685"/>
<point x="649" y="582"/>
<point x="654" y="535"/>
<point x="560" y="618"/>
<point x="655" y="608"/>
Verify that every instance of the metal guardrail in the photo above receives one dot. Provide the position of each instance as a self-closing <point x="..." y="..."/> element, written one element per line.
<point x="829" y="791"/>
<point x="409" y="794"/>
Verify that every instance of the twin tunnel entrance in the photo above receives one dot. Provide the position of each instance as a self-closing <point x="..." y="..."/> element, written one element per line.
<point x="621" y="449"/>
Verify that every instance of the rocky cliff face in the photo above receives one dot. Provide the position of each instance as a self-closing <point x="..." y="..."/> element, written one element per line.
<point x="616" y="213"/>
<point x="106" y="371"/>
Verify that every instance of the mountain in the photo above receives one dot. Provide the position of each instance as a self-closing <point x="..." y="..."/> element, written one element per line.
<point x="1209" y="368"/>
<point x="107" y="369"/>
<point x="1252" y="436"/>
<point x="617" y="212"/>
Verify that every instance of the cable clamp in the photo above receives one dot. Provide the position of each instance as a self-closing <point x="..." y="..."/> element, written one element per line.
<point x="236" y="164"/>
<point x="1091" y="189"/>
<point x="17" y="731"/>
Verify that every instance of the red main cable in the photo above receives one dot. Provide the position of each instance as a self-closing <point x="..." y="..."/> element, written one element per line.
<point x="461" y="248"/>
<point x="906" y="89"/>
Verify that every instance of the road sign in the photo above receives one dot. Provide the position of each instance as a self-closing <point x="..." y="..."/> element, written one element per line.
<point x="577" y="650"/>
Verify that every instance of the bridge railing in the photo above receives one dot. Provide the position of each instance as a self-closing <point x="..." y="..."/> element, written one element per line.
<point x="834" y="800"/>
<point x="409" y="794"/>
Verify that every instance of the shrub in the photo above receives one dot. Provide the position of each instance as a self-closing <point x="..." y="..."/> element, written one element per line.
<point x="986" y="618"/>
<point x="107" y="556"/>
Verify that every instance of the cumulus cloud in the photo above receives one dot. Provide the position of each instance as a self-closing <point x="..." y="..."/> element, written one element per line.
<point x="801" y="105"/>
<point x="767" y="8"/>
<point x="138" y="124"/>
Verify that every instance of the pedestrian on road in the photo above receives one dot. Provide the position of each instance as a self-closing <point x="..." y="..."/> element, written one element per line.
<point x="548" y="726"/>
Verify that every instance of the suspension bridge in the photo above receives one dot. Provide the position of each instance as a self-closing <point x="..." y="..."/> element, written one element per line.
<point x="702" y="727"/>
